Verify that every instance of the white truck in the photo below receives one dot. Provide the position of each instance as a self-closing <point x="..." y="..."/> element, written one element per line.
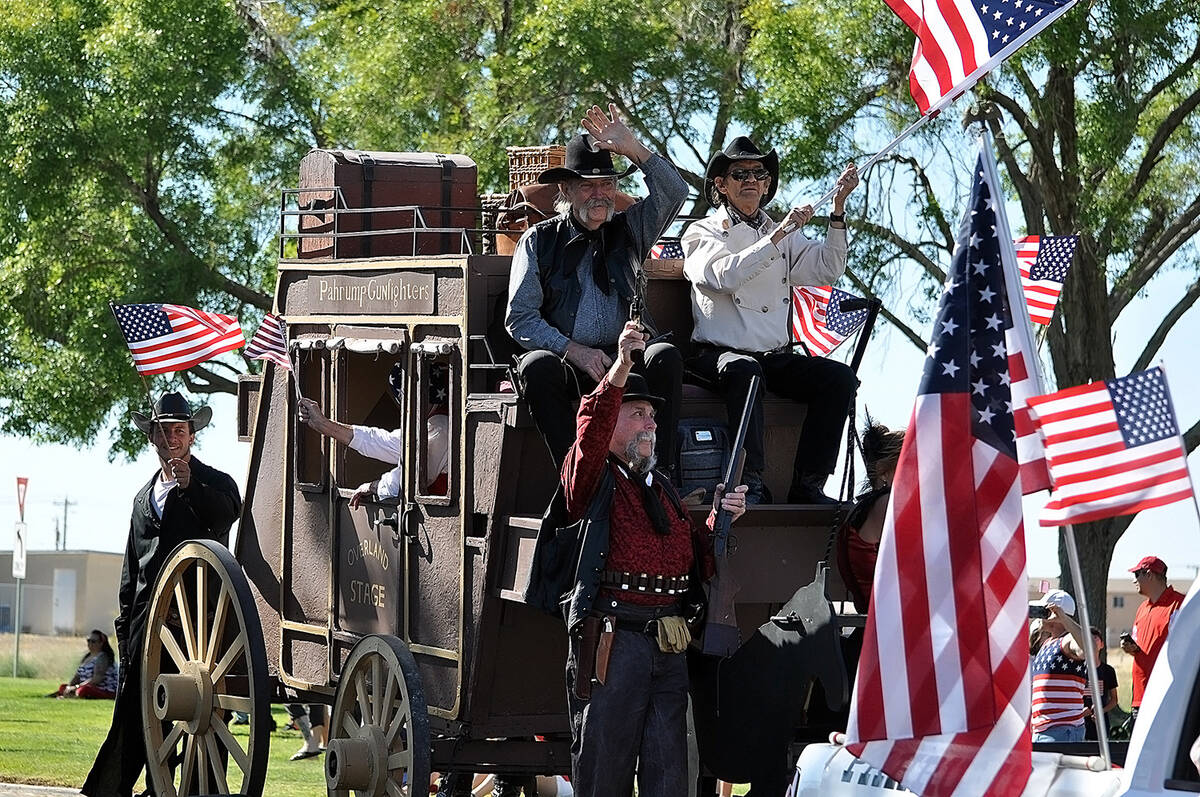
<point x="1163" y="755"/>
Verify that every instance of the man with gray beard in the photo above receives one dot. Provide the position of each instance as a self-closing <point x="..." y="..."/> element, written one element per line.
<point x="573" y="281"/>
<point x="620" y="557"/>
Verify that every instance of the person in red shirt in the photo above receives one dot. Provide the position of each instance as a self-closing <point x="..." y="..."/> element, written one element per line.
<point x="621" y="581"/>
<point x="1152" y="622"/>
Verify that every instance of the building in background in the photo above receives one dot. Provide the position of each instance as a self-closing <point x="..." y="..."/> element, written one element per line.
<point x="64" y="592"/>
<point x="1123" y="601"/>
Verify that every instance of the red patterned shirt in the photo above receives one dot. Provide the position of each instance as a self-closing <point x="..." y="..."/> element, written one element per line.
<point x="634" y="545"/>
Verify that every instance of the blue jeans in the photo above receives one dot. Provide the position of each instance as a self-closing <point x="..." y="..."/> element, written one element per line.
<point x="636" y="720"/>
<point x="1060" y="733"/>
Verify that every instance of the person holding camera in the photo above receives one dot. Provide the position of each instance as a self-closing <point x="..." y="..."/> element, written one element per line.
<point x="1059" y="673"/>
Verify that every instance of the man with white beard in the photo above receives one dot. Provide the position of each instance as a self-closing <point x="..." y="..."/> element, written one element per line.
<point x="573" y="281"/>
<point x="622" y="560"/>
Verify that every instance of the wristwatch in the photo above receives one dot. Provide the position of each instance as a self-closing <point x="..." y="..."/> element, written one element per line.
<point x="838" y="217"/>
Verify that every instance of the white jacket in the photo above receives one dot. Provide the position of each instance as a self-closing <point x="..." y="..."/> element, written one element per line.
<point x="741" y="296"/>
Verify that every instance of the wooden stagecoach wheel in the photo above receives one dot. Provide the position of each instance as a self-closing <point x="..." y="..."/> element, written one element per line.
<point x="203" y="659"/>
<point x="379" y="729"/>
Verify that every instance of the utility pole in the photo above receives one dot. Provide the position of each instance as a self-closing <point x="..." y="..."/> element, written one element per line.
<point x="57" y="536"/>
<point x="66" y="503"/>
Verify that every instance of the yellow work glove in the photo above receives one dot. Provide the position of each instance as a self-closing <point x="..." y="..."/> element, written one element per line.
<point x="673" y="634"/>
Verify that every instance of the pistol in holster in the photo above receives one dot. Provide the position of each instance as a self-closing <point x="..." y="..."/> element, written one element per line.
<point x="595" y="648"/>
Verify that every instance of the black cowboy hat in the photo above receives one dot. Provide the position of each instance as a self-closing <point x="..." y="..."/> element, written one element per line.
<point x="636" y="389"/>
<point x="583" y="163"/>
<point x="740" y="149"/>
<point x="173" y="407"/>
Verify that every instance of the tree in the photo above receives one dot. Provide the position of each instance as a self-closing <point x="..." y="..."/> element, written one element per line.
<point x="134" y="174"/>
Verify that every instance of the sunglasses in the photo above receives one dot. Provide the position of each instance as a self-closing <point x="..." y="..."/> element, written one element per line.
<point x="745" y="175"/>
<point x="93" y="641"/>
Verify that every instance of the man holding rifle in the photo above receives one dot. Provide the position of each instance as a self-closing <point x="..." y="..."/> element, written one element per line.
<point x="742" y="265"/>
<point x="626" y="575"/>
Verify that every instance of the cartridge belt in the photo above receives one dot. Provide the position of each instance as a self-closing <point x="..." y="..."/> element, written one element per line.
<point x="645" y="582"/>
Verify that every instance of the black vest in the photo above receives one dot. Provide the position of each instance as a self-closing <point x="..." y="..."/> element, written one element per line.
<point x="564" y="576"/>
<point x="561" y="246"/>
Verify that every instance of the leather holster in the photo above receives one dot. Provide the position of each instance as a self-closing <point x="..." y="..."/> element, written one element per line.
<point x="585" y="662"/>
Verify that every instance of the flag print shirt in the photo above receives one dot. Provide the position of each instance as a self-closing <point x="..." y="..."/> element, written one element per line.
<point x="1059" y="682"/>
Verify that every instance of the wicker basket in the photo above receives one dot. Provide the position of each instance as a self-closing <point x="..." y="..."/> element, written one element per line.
<point x="490" y="208"/>
<point x="526" y="163"/>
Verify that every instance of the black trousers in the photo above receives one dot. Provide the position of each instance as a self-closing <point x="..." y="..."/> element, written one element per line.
<point x="826" y="386"/>
<point x="635" y="721"/>
<point x="553" y="387"/>
<point x="122" y="756"/>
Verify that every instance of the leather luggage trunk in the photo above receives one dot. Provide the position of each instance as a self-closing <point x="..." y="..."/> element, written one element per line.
<point x="444" y="187"/>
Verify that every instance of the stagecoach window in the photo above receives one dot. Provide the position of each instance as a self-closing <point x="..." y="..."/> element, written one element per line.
<point x="311" y="449"/>
<point x="365" y="399"/>
<point x="433" y="424"/>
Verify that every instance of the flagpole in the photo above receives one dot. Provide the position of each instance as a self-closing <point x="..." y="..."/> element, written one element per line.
<point x="966" y="85"/>
<point x="287" y="347"/>
<point x="295" y="380"/>
<point x="1089" y="647"/>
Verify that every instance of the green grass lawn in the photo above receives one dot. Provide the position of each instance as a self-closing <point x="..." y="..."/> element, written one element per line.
<point x="53" y="742"/>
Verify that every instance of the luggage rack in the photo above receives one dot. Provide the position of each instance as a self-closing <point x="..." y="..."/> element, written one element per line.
<point x="290" y="206"/>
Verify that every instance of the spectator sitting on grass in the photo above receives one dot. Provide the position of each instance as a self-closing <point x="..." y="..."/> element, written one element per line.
<point x="96" y="676"/>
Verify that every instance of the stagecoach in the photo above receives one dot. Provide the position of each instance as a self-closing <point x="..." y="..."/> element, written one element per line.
<point x="407" y="616"/>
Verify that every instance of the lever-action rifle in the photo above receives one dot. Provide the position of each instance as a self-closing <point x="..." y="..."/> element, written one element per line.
<point x="721" y="635"/>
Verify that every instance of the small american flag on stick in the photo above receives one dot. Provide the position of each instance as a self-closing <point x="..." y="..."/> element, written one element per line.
<point x="1113" y="448"/>
<point x="270" y="342"/>
<point x="171" y="337"/>
<point x="818" y="321"/>
<point x="1044" y="261"/>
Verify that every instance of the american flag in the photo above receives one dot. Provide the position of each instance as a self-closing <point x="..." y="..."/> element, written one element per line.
<point x="1044" y="261"/>
<point x="942" y="697"/>
<point x="270" y="342"/>
<point x="818" y="321"/>
<point x="959" y="41"/>
<point x="667" y="249"/>
<point x="1113" y="448"/>
<point x="170" y="337"/>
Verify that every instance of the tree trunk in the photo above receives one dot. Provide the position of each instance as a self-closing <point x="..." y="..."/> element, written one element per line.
<point x="1095" y="543"/>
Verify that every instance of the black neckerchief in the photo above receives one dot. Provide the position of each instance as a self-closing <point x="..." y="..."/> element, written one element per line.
<point x="596" y="240"/>
<point x="650" y="502"/>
